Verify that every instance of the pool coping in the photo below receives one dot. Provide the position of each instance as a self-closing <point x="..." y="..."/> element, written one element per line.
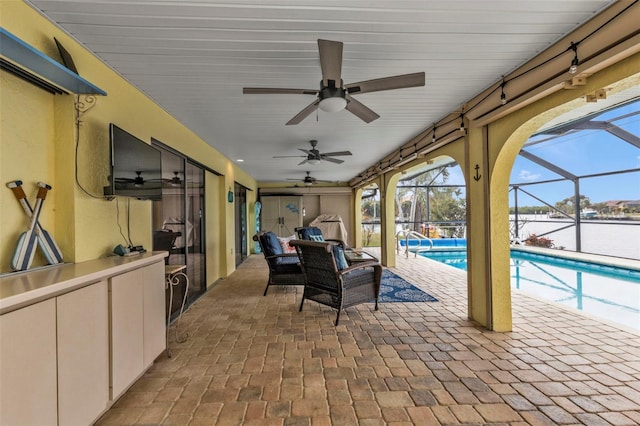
<point x="619" y="262"/>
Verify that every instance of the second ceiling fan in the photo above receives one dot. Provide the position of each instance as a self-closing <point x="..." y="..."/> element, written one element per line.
<point x="313" y="156"/>
<point x="309" y="180"/>
<point x="333" y="95"/>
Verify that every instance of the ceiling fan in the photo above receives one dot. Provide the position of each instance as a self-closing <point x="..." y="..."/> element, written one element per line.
<point x="137" y="182"/>
<point x="309" y="180"/>
<point x="313" y="156"/>
<point x="174" y="181"/>
<point x="333" y="94"/>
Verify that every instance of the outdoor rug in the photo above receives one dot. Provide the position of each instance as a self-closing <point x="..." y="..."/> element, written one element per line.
<point x="395" y="289"/>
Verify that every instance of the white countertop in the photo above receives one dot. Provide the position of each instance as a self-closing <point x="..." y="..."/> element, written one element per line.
<point x="21" y="289"/>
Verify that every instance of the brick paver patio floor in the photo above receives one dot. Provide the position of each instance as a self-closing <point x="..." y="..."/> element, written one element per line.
<point x="255" y="360"/>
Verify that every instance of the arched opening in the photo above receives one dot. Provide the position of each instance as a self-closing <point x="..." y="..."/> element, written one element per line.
<point x="430" y="211"/>
<point x="575" y="183"/>
<point x="564" y="164"/>
<point x="370" y="211"/>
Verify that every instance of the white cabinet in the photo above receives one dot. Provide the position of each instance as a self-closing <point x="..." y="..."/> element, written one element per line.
<point x="83" y="354"/>
<point x="154" y="320"/>
<point x="126" y="330"/>
<point x="100" y="326"/>
<point x="281" y="214"/>
<point x="137" y="324"/>
<point x="28" y="388"/>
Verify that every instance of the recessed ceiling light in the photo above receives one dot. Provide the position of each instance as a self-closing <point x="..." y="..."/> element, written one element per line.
<point x="240" y="160"/>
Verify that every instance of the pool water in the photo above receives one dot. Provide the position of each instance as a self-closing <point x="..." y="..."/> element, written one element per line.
<point x="605" y="291"/>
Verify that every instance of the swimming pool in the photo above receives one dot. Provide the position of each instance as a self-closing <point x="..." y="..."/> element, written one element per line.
<point x="609" y="292"/>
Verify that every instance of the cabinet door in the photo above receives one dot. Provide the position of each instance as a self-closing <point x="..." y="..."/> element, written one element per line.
<point x="291" y="213"/>
<point x="270" y="214"/>
<point x="154" y="312"/>
<point x="28" y="366"/>
<point x="126" y="330"/>
<point x="83" y="354"/>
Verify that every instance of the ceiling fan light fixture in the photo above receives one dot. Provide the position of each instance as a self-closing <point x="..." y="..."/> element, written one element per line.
<point x="332" y="99"/>
<point x="332" y="104"/>
<point x="313" y="162"/>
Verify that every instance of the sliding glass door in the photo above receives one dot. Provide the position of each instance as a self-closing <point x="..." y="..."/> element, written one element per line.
<point x="195" y="247"/>
<point x="179" y="218"/>
<point x="240" y="207"/>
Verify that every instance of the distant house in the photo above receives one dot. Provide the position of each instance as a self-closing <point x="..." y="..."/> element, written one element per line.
<point x="619" y="206"/>
<point x="631" y="205"/>
<point x="615" y="206"/>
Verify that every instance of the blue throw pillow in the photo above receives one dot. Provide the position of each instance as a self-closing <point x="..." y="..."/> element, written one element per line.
<point x="272" y="244"/>
<point x="309" y="232"/>
<point x="318" y="238"/>
<point x="338" y="255"/>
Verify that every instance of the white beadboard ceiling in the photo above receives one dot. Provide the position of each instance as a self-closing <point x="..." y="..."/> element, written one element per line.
<point x="194" y="57"/>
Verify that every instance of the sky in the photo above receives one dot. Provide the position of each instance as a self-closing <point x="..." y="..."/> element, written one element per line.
<point x="582" y="153"/>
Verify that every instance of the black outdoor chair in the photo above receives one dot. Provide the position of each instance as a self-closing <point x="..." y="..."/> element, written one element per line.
<point x="284" y="268"/>
<point x="165" y="240"/>
<point x="313" y="233"/>
<point x="331" y="281"/>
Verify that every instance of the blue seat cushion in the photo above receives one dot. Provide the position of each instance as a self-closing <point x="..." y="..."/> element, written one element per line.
<point x="271" y="244"/>
<point x="317" y="238"/>
<point x="341" y="261"/>
<point x="288" y="265"/>
<point x="287" y="260"/>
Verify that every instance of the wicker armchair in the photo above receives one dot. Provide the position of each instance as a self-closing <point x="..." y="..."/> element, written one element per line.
<point x="329" y="285"/>
<point x="284" y="268"/>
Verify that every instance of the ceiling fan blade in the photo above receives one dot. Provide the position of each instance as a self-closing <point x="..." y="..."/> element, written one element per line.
<point x="335" y="154"/>
<point x="304" y="113"/>
<point x="386" y="83"/>
<point x="303" y="162"/>
<point x="330" y="61"/>
<point x="333" y="160"/>
<point x="288" y="156"/>
<point x="360" y="110"/>
<point x="276" y="91"/>
<point x="306" y="151"/>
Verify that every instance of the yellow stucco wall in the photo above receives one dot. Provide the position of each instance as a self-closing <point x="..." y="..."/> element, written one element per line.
<point x="39" y="141"/>
<point x="26" y="151"/>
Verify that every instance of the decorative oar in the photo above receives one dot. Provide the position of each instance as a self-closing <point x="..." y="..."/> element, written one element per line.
<point x="47" y="244"/>
<point x="26" y="247"/>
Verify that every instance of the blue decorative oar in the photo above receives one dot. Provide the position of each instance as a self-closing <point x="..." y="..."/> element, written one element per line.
<point x="47" y="244"/>
<point x="27" y="243"/>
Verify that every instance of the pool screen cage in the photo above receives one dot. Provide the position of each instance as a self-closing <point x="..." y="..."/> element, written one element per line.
<point x="427" y="203"/>
<point x="599" y="147"/>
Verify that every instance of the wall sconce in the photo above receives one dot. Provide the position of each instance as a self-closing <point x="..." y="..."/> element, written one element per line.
<point x="304" y="212"/>
<point x="230" y="196"/>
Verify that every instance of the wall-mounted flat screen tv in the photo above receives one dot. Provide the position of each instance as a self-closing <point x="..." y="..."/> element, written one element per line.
<point x="136" y="167"/>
